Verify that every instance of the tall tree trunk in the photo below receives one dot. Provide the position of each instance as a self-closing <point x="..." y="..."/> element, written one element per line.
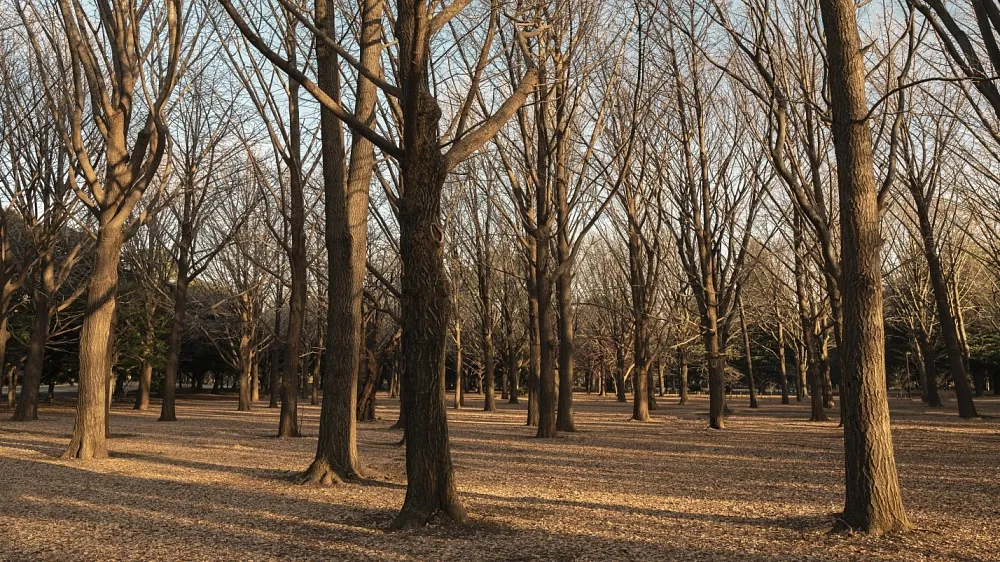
<point x="288" y="423"/>
<point x="89" y="430"/>
<point x="949" y="330"/>
<point x="459" y="379"/>
<point x="640" y="330"/>
<point x="534" y="339"/>
<point x="873" y="502"/>
<point x="148" y="349"/>
<point x="620" y="374"/>
<point x="170" y="382"/>
<point x="246" y="368"/>
<point x="782" y="367"/>
<point x="424" y="306"/>
<point x="747" y="353"/>
<point x="27" y="402"/>
<point x="274" y="369"/>
<point x="564" y="300"/>
<point x="346" y="245"/>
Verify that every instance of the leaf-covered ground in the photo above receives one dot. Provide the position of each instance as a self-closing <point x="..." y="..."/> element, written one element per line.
<point x="216" y="485"/>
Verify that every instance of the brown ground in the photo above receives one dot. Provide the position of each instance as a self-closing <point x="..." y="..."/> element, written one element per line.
<point x="214" y="486"/>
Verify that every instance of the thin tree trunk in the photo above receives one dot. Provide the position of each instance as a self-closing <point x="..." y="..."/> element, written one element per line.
<point x="930" y="372"/>
<point x="27" y="402"/>
<point x="171" y="381"/>
<point x="683" y="376"/>
<point x="747" y="353"/>
<point x="782" y="368"/>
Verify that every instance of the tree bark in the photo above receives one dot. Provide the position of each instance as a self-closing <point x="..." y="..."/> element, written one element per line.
<point x="873" y="502"/>
<point x="747" y="353"/>
<point x="89" y="430"/>
<point x="27" y="402"/>
<point x="929" y="381"/>
<point x="782" y="368"/>
<point x="170" y="382"/>
<point x="682" y="383"/>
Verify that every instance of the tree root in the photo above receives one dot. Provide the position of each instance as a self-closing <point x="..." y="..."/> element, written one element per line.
<point x="321" y="473"/>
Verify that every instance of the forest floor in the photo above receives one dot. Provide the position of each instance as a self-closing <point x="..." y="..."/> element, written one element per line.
<point x="217" y="485"/>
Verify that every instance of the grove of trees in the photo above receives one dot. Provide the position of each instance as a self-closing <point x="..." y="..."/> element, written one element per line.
<point x="320" y="200"/>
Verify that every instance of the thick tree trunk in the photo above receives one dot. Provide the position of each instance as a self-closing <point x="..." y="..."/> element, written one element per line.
<point x="824" y="369"/>
<point x="873" y="502"/>
<point x="346" y="208"/>
<point x="89" y="431"/>
<point x="716" y="368"/>
<point x="425" y="310"/>
<point x="640" y="330"/>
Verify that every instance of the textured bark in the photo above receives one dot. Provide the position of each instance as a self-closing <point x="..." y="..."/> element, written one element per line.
<point x="543" y="277"/>
<point x="564" y="301"/>
<point x="89" y="430"/>
<point x="170" y="381"/>
<point x="782" y="367"/>
<point x="873" y="501"/>
<point x="288" y="423"/>
<point x="949" y="329"/>
<point x="640" y="320"/>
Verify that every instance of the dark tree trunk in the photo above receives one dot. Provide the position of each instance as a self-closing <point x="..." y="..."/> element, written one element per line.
<point x="949" y="330"/>
<point x="274" y="369"/>
<point x="929" y="381"/>
<point x="682" y="383"/>
<point x="782" y="368"/>
<point x="534" y="344"/>
<point x="873" y="501"/>
<point x="171" y="381"/>
<point x="747" y="353"/>
<point x="425" y="306"/>
<point x="27" y="402"/>
<point x="288" y="423"/>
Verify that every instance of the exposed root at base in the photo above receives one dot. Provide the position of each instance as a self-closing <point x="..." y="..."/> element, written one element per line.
<point x="409" y="518"/>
